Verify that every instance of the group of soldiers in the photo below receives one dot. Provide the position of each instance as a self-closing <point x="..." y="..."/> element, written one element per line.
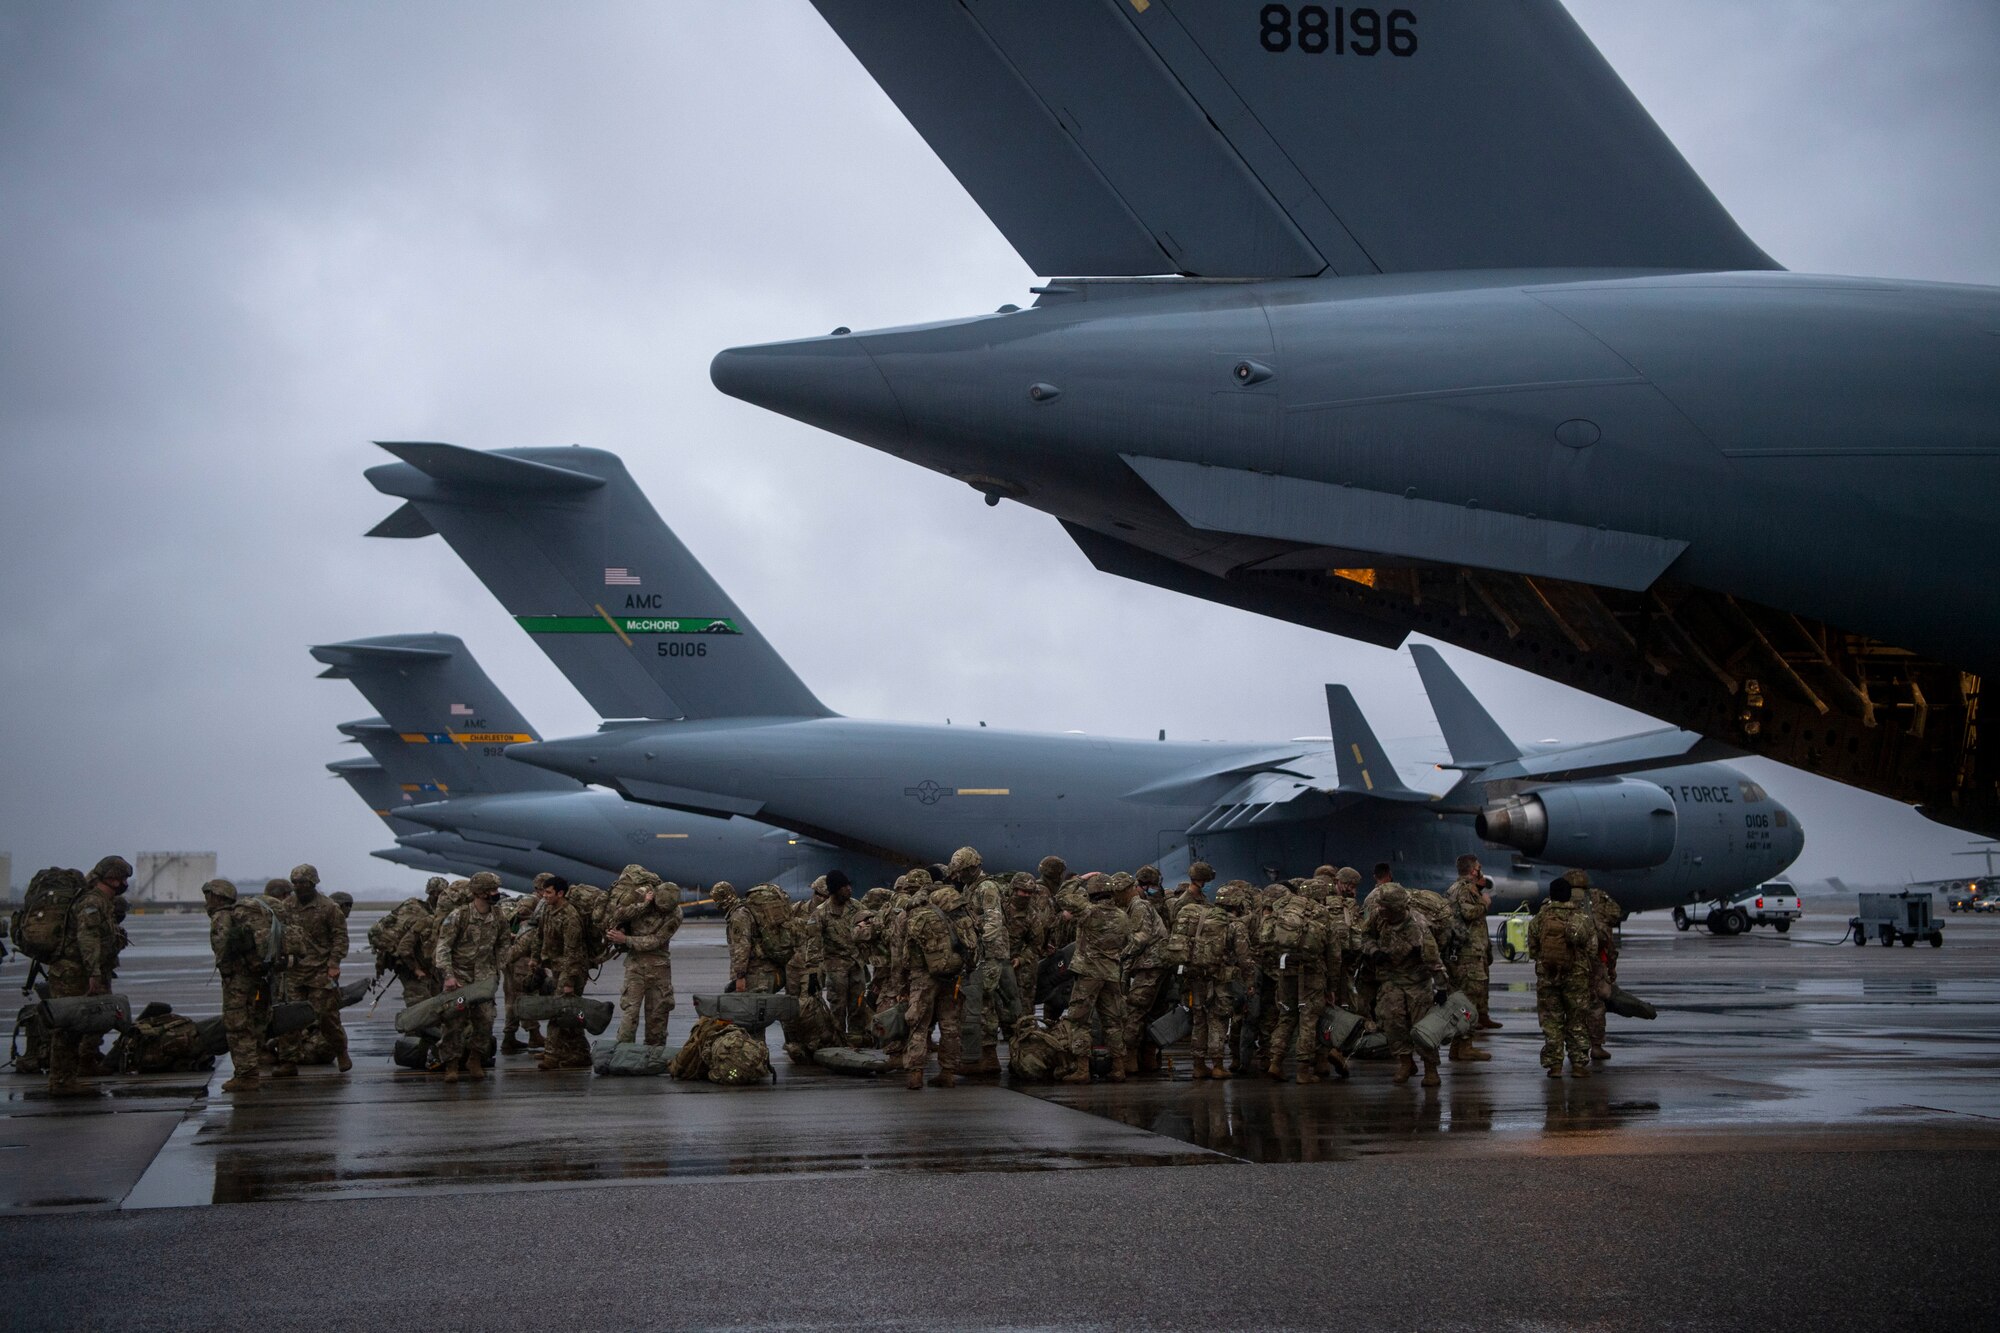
<point x="1257" y="969"/>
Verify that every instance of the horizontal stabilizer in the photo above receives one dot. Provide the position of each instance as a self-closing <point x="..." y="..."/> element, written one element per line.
<point x="345" y="659"/>
<point x="1364" y="764"/>
<point x="1233" y="138"/>
<point x="365" y="726"/>
<point x="499" y="470"/>
<point x="1470" y="733"/>
<point x="1669" y="747"/>
<point x="1210" y="782"/>
<point x="343" y="767"/>
<point x="407" y="521"/>
<point x="1317" y="513"/>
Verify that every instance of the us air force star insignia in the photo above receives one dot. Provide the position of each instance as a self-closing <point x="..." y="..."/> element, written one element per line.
<point x="927" y="792"/>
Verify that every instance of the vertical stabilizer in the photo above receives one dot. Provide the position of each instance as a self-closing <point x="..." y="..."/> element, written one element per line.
<point x="1470" y="733"/>
<point x="1364" y="764"/>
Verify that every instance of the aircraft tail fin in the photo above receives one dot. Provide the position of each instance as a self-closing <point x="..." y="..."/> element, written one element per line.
<point x="1470" y="733"/>
<point x="1364" y="765"/>
<point x="433" y="694"/>
<point x="572" y="548"/>
<point x="1234" y="138"/>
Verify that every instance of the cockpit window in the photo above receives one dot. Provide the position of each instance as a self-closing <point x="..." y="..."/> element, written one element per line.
<point x="1752" y="793"/>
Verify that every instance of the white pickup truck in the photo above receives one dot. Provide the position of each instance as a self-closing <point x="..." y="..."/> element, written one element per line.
<point x="1775" y="904"/>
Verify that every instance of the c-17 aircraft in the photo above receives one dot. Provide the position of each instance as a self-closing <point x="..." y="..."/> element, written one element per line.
<point x="372" y="783"/>
<point x="1395" y="320"/>
<point x="571" y="547"/>
<point x="437" y="702"/>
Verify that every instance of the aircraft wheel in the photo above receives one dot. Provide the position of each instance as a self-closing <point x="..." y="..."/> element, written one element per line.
<point x="1737" y="922"/>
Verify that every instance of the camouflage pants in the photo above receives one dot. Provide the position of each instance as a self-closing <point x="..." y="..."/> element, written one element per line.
<point x="465" y="1034"/>
<point x="934" y="1002"/>
<point x="845" y="983"/>
<point x="67" y="1053"/>
<point x="1603" y="976"/>
<point x="763" y="977"/>
<point x="1562" y="1004"/>
<point x="1142" y="988"/>
<point x="514" y="983"/>
<point x="1211" y="1003"/>
<point x="648" y="992"/>
<point x="416" y="989"/>
<point x="1100" y="999"/>
<point x="1301" y="1001"/>
<point x="1397" y="1005"/>
<point x="1267" y="1015"/>
<point x="1470" y="975"/>
<point x="246" y="1011"/>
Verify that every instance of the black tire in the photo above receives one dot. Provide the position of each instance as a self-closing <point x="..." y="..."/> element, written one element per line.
<point x="1937" y="939"/>
<point x="1909" y="941"/>
<point x="1860" y="938"/>
<point x="1681" y="921"/>
<point x="1736" y="920"/>
<point x="1783" y="926"/>
<point x="1888" y="936"/>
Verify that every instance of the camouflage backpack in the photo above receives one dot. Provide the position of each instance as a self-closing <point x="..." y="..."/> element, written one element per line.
<point x="42" y="925"/>
<point x="737" y="1059"/>
<point x="1208" y="932"/>
<point x="776" y="929"/>
<point x="811" y="1028"/>
<point x="1561" y="938"/>
<point x="1294" y="928"/>
<point x="386" y="935"/>
<point x="1033" y="1055"/>
<point x="593" y="908"/>
<point x="1445" y="924"/>
<point x="159" y="1041"/>
<point x="692" y="1062"/>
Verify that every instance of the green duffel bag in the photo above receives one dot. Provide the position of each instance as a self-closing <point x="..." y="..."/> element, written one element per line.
<point x="289" y="1017"/>
<point x="890" y="1023"/>
<point x="631" y="1059"/>
<point x="1455" y="1018"/>
<point x="1627" y="1005"/>
<point x="87" y="1015"/>
<point x="594" y="1015"/>
<point x="430" y="1013"/>
<point x="754" y="1010"/>
<point x="1339" y="1029"/>
<point x="841" y="1060"/>
<point x="1371" y="1046"/>
<point x="1172" y="1026"/>
<point x="416" y="1050"/>
<point x="211" y="1036"/>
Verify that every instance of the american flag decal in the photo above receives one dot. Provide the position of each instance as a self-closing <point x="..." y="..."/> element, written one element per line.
<point x="460" y="710"/>
<point x="620" y="578"/>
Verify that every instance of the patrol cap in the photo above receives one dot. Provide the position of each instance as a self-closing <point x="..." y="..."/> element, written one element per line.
<point x="219" y="888"/>
<point x="1052" y="867"/>
<point x="1149" y="875"/>
<point x="436" y="884"/>
<point x="1201" y="872"/>
<point x="1022" y="882"/>
<point x="111" y="868"/>
<point x="305" y="873"/>
<point x="819" y="887"/>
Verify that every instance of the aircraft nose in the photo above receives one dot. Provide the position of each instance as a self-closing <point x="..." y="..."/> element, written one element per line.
<point x="830" y="382"/>
<point x="1792" y="838"/>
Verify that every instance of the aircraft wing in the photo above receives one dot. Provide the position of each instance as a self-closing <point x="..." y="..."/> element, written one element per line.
<point x="1669" y="747"/>
<point x="1234" y="138"/>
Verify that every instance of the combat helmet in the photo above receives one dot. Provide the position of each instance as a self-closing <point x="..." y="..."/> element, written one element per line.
<point x="110" y="869"/>
<point x="1148" y="876"/>
<point x="963" y="861"/>
<point x="1201" y="872"/>
<point x="1052" y="868"/>
<point x="219" y="888"/>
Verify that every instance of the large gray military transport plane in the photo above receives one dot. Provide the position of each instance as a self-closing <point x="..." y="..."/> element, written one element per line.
<point x="1450" y="340"/>
<point x="372" y="783"/>
<point x="438" y="702"/>
<point x="569" y="544"/>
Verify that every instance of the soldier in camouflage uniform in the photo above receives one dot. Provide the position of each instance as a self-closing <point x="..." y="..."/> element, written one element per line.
<point x="521" y="973"/>
<point x="985" y="898"/>
<point x="1212" y="942"/>
<point x="1346" y="883"/>
<point x="86" y="966"/>
<point x="316" y="937"/>
<point x="1193" y="889"/>
<point x="1412" y="975"/>
<point x="1605" y="911"/>
<point x="1050" y="876"/>
<point x="1469" y="898"/>
<point x="1316" y="979"/>
<point x="1562" y="939"/>
<point x="1027" y="939"/>
<point x="388" y="940"/>
<point x="1144" y="961"/>
<point x="915" y="892"/>
<point x="941" y="942"/>
<point x="871" y="943"/>
<point x="805" y="970"/>
<point x="559" y="946"/>
<point x="1097" y="995"/>
<point x="845" y="965"/>
<point x="645" y="914"/>
<point x="471" y="943"/>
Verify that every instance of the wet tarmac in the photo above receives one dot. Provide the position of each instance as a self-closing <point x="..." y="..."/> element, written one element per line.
<point x="1840" y="1062"/>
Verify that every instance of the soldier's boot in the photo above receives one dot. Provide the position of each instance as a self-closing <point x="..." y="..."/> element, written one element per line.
<point x="451" y="1074"/>
<point x="510" y="1044"/>
<point x="1335" y="1061"/>
<point x="1555" y="1071"/>
<point x="1578" y="1068"/>
<point x="989" y="1062"/>
<point x="1405" y="1066"/>
<point x="1217" y="1072"/>
<point x="343" y="1062"/>
<point x="1308" y="1075"/>
<point x="534" y="1037"/>
<point x="915" y="1080"/>
<point x="548" y="1062"/>
<point x="944" y="1078"/>
<point x="1276" y="1070"/>
<point x="1200" y="1069"/>
<point x="1080" y="1075"/>
<point x="1118" y="1073"/>
<point x="1463" y="1049"/>
<point x="285" y="1069"/>
<point x="1431" y="1072"/>
<point x="70" y="1086"/>
<point x="1130" y="1064"/>
<point x="1486" y="1023"/>
<point x="241" y="1081"/>
<point x="1598" y="1053"/>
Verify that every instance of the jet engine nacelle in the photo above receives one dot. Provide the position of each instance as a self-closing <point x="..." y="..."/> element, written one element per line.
<point x="1623" y="825"/>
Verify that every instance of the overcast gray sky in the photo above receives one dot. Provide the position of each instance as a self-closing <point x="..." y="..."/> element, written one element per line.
<point x="238" y="241"/>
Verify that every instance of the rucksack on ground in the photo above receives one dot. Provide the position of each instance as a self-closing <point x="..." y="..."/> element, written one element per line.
<point x="630" y="1059"/>
<point x="810" y="1029"/>
<point x="737" y="1059"/>
<point x="42" y="925"/>
<point x="160" y="1041"/>
<point x="692" y="1061"/>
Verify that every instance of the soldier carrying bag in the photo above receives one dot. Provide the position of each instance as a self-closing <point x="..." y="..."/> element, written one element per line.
<point x="42" y="925"/>
<point x="431" y="1012"/>
<point x="1456" y="1018"/>
<point x="1170" y="1027"/>
<point x="87" y="1015"/>
<point x="593" y="1015"/>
